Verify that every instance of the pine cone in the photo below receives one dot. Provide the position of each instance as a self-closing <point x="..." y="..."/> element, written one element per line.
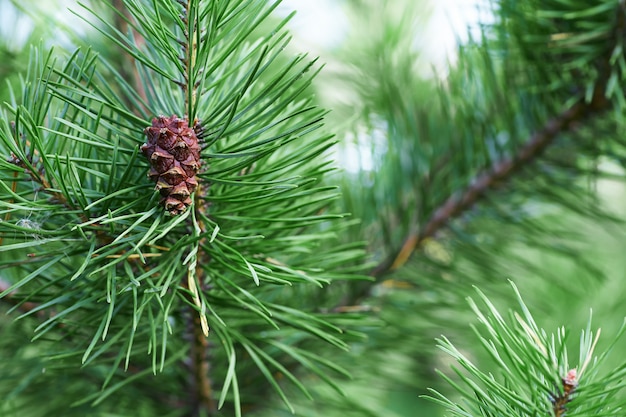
<point x="174" y="154"/>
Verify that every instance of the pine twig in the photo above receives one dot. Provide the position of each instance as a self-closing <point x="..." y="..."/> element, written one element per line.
<point x="201" y="397"/>
<point x="37" y="173"/>
<point x="201" y="390"/>
<point x="202" y="393"/>
<point x="465" y="200"/>
<point x="559" y="402"/>
<point x="188" y="59"/>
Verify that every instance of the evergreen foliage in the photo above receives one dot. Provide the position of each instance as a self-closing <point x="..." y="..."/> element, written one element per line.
<point x="488" y="172"/>
<point x="132" y="292"/>
<point x="252" y="300"/>
<point x="536" y="376"/>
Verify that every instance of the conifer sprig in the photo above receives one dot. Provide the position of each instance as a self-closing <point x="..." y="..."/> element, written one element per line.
<point x="531" y="371"/>
<point x="455" y="174"/>
<point x="121" y="276"/>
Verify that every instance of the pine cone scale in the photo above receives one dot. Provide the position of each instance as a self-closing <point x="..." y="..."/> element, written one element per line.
<point x="174" y="153"/>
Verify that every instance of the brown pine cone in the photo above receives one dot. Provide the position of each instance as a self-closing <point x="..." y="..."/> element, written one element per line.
<point x="174" y="154"/>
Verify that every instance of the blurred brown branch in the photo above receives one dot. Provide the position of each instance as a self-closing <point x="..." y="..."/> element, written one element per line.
<point x="466" y="199"/>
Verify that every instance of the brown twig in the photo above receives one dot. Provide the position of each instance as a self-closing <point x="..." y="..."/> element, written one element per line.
<point x="463" y="201"/>
<point x="560" y="401"/>
<point x="201" y="391"/>
<point x="202" y="402"/>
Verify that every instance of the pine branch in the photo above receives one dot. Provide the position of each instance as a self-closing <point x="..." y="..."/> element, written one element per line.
<point x="560" y="401"/>
<point x="189" y="54"/>
<point x="503" y="171"/>
<point x="533" y="375"/>
<point x="201" y="392"/>
<point x="466" y="200"/>
<point x="201" y="387"/>
<point x="583" y="111"/>
<point x="34" y="168"/>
